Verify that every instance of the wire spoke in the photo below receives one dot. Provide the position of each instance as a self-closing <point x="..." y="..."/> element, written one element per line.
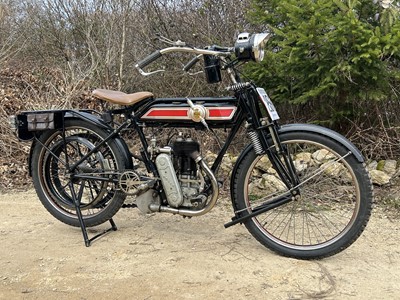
<point x="321" y="211"/>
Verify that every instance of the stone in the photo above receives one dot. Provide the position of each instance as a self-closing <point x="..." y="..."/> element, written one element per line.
<point x="372" y="165"/>
<point x="304" y="157"/>
<point x="321" y="156"/>
<point x="264" y="163"/>
<point x="210" y="157"/>
<point x="390" y="167"/>
<point x="379" y="177"/>
<point x="300" y="165"/>
<point x="226" y="168"/>
<point x="234" y="159"/>
<point x="272" y="171"/>
<point x="333" y="168"/>
<point x="302" y="161"/>
<point x="271" y="183"/>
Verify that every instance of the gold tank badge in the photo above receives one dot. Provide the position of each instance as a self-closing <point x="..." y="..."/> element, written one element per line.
<point x="197" y="113"/>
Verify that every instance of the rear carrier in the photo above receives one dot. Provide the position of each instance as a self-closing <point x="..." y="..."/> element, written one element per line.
<point x="27" y="123"/>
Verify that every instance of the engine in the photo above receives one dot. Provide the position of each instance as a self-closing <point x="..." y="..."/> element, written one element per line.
<point x="180" y="175"/>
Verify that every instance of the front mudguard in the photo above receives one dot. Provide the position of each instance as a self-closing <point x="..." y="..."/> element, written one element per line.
<point x="300" y="128"/>
<point x="122" y="146"/>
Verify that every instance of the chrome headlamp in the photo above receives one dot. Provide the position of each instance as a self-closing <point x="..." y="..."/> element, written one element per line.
<point x="250" y="47"/>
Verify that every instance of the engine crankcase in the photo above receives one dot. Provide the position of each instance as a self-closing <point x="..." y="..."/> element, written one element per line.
<point x="169" y="180"/>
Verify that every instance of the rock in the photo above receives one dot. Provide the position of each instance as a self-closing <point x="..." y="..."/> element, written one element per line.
<point x="264" y="164"/>
<point x="226" y="168"/>
<point x="271" y="183"/>
<point x="300" y="165"/>
<point x="390" y="167"/>
<point x="304" y="157"/>
<point x="234" y="159"/>
<point x="227" y="159"/>
<point x="333" y="168"/>
<point x="322" y="155"/>
<point x="226" y="165"/>
<point x="372" y="165"/>
<point x="302" y="161"/>
<point x="379" y="177"/>
<point x="210" y="157"/>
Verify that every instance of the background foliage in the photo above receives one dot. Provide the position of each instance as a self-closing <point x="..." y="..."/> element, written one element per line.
<point x="333" y="62"/>
<point x="336" y="62"/>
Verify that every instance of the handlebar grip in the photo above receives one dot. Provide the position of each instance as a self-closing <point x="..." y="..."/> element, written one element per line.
<point x="222" y="49"/>
<point x="191" y="63"/>
<point x="149" y="59"/>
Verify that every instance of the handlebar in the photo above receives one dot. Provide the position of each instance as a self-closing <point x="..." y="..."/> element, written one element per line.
<point x="149" y="59"/>
<point x="221" y="51"/>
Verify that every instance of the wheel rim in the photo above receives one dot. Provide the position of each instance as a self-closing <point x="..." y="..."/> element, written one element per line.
<point x="328" y="204"/>
<point x="96" y="194"/>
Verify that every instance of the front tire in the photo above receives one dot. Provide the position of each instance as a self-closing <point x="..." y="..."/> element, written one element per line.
<point x="99" y="196"/>
<point x="332" y="210"/>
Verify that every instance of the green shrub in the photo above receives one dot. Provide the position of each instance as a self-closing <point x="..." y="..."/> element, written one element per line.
<point x="335" y="58"/>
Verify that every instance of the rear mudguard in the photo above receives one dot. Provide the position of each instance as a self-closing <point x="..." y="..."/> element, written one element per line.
<point x="122" y="146"/>
<point x="301" y="128"/>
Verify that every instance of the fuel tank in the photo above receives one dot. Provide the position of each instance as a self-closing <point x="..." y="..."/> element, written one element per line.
<point x="216" y="112"/>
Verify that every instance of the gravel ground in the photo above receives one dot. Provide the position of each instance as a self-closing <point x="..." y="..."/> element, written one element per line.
<point x="163" y="256"/>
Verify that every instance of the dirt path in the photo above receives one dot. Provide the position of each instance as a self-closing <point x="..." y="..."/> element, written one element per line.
<point x="168" y="257"/>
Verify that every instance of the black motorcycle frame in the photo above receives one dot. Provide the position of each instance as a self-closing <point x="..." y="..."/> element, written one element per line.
<point x="87" y="146"/>
<point x="248" y="111"/>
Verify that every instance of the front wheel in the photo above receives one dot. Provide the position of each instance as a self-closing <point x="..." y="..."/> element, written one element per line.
<point x="331" y="210"/>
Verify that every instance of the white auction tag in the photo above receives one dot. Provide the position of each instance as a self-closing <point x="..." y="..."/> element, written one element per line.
<point x="268" y="104"/>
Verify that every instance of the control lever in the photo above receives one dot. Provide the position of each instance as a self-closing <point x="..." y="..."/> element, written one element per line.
<point x="191" y="63"/>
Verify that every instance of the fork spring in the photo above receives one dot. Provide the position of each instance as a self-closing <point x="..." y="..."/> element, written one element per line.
<point x="238" y="86"/>
<point x="258" y="149"/>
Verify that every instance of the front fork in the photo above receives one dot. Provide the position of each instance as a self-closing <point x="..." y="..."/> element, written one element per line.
<point x="277" y="152"/>
<point x="266" y="141"/>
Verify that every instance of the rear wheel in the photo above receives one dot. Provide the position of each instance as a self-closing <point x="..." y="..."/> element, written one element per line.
<point x="93" y="181"/>
<point x="331" y="211"/>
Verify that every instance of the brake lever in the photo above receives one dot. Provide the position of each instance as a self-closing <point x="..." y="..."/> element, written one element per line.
<point x="194" y="74"/>
<point x="167" y="41"/>
<point x="149" y="73"/>
<point x="191" y="64"/>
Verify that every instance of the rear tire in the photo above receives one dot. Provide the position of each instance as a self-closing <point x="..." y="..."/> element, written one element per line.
<point x="334" y="205"/>
<point x="100" y="199"/>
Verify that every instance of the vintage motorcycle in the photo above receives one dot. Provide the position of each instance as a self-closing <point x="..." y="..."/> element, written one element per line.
<point x="301" y="190"/>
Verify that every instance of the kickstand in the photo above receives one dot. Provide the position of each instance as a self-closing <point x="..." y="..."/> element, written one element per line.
<point x="88" y="241"/>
